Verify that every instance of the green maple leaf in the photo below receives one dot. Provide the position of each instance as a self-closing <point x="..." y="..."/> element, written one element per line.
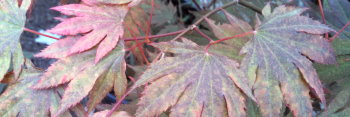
<point x="337" y="14"/>
<point x="339" y="106"/>
<point x="278" y="61"/>
<point x="337" y="78"/>
<point x="20" y="100"/>
<point x="85" y="76"/>
<point x="193" y="83"/>
<point x="12" y="20"/>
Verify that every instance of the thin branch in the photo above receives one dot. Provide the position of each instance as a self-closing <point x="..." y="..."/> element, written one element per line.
<point x="154" y="36"/>
<point x="340" y="31"/>
<point x="197" y="5"/>
<point x="250" y="6"/>
<point x="135" y="46"/>
<point x="116" y="106"/>
<point x="203" y="35"/>
<point x="38" y="33"/>
<point x="210" y="4"/>
<point x="243" y="3"/>
<point x="227" y="38"/>
<point x="139" y="47"/>
<point x="150" y="22"/>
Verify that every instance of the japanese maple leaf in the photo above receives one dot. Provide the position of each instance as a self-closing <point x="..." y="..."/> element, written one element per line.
<point x="337" y="14"/>
<point x="130" y="3"/>
<point x="114" y="114"/>
<point x="102" y="25"/>
<point x="86" y="77"/>
<point x="193" y="83"/>
<point x="59" y="49"/>
<point x="278" y="61"/>
<point x="20" y="100"/>
<point x="12" y="20"/>
<point x="231" y="47"/>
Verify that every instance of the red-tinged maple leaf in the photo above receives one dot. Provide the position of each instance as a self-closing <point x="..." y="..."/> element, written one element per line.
<point x="103" y="25"/>
<point x="59" y="49"/>
<point x="114" y="114"/>
<point x="20" y="100"/>
<point x="231" y="47"/>
<point x="87" y="77"/>
<point x="107" y="1"/>
<point x="131" y="3"/>
<point x="193" y="83"/>
<point x="12" y="20"/>
<point x="337" y="14"/>
<point x="278" y="61"/>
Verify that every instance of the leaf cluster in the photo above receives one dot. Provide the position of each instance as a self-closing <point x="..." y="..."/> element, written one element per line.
<point x="245" y="58"/>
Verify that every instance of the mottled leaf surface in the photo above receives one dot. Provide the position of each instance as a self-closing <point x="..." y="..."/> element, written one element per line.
<point x="193" y="83"/>
<point x="339" y="72"/>
<point x="231" y="47"/>
<point x="59" y="49"/>
<point x="339" y="106"/>
<point x="278" y="61"/>
<point x="107" y="1"/>
<point x="102" y="26"/>
<point x="337" y="14"/>
<point x="87" y="77"/>
<point x="12" y="20"/>
<point x="114" y="114"/>
<point x="20" y="100"/>
<point x="337" y="79"/>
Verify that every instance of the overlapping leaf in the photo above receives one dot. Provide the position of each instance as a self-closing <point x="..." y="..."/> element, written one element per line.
<point x="86" y="77"/>
<point x="193" y="83"/>
<point x="103" y="25"/>
<point x="337" y="14"/>
<point x="232" y="47"/>
<point x="115" y="114"/>
<point x="20" y="100"/>
<point x="12" y="20"/>
<point x="337" y="77"/>
<point x="278" y="61"/>
<point x="339" y="106"/>
<point x="108" y="1"/>
<point x="340" y="71"/>
<point x="130" y="3"/>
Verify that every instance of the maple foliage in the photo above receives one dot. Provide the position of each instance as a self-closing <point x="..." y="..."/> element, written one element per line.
<point x="103" y="25"/>
<point x="96" y="79"/>
<point x="193" y="83"/>
<point x="12" y="20"/>
<point x="221" y="65"/>
<point x="20" y="100"/>
<point x="277" y="60"/>
<point x="115" y="114"/>
<point x="235" y="26"/>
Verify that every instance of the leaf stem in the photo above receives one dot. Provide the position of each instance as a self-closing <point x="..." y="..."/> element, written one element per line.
<point x="340" y="31"/>
<point x="116" y="106"/>
<point x="227" y="38"/>
<point x="38" y="33"/>
<point x="150" y="22"/>
<point x="202" y="34"/>
<point x="196" y="4"/>
<point x="139" y="46"/>
<point x="322" y="14"/>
